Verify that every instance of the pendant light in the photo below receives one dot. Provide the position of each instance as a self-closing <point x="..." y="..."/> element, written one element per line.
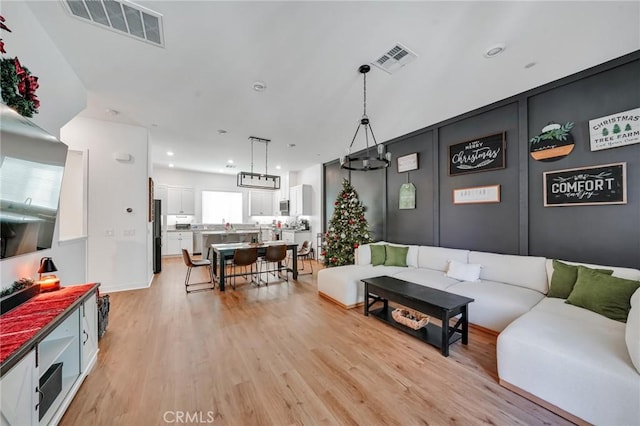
<point x="259" y="180"/>
<point x="365" y="161"/>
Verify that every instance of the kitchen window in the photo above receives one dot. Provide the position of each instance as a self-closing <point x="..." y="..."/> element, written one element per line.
<point x="221" y="207"/>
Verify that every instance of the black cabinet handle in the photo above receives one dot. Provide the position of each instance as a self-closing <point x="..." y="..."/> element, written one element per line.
<point x="87" y="337"/>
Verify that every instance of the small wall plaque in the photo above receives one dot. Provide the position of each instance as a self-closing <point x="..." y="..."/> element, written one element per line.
<point x="477" y="195"/>
<point x="407" y="196"/>
<point x="408" y="162"/>
<point x="615" y="130"/>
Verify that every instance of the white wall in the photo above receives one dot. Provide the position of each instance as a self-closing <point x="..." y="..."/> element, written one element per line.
<point x="62" y="96"/>
<point x="312" y="176"/>
<point x="118" y="241"/>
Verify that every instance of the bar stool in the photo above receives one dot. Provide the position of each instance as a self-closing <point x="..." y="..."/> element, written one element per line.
<point x="242" y="258"/>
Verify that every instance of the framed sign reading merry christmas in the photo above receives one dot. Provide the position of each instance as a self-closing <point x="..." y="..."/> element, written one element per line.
<point x="479" y="155"/>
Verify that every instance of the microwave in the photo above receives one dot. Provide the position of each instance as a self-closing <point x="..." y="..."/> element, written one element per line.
<point x="284" y="208"/>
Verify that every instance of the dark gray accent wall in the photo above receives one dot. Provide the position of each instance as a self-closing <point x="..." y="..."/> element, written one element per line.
<point x="482" y="227"/>
<point x="519" y="224"/>
<point x="412" y="226"/>
<point x="607" y="234"/>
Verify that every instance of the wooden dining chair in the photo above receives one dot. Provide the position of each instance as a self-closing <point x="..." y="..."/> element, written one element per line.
<point x="275" y="254"/>
<point x="241" y="259"/>
<point x="191" y="263"/>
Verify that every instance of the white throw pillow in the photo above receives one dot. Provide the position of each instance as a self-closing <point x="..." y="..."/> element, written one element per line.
<point x="463" y="271"/>
<point x="632" y="331"/>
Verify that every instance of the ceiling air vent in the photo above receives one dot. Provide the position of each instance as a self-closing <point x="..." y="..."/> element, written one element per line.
<point x="121" y="16"/>
<point x="397" y="57"/>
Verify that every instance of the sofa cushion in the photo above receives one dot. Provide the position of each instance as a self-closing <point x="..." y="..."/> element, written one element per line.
<point x="426" y="277"/>
<point x="438" y="257"/>
<point x="574" y="359"/>
<point x="463" y="271"/>
<point x="378" y="254"/>
<point x="564" y="278"/>
<point x="603" y="294"/>
<point x="363" y="254"/>
<point x="632" y="330"/>
<point x="627" y="273"/>
<point x="523" y="271"/>
<point x="412" y="254"/>
<point x="496" y="304"/>
<point x="396" y="256"/>
<point x="342" y="283"/>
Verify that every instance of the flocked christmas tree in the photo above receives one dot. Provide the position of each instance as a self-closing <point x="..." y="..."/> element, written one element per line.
<point x="348" y="228"/>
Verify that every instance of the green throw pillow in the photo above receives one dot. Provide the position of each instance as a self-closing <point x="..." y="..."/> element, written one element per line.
<point x="396" y="256"/>
<point x="564" y="277"/>
<point x="378" y="254"/>
<point x="603" y="294"/>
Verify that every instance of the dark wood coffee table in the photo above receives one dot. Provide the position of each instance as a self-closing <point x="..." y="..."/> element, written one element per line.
<point x="427" y="300"/>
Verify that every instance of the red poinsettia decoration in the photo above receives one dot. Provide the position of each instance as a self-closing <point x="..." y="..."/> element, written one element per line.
<point x="3" y="27"/>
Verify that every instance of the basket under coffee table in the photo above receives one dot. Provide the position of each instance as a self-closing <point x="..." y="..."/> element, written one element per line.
<point x="437" y="303"/>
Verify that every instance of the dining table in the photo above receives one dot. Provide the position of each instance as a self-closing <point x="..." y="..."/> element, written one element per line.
<point x="220" y="253"/>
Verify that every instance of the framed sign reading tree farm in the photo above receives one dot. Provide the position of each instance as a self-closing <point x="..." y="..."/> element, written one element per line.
<point x="605" y="184"/>
<point x="480" y="155"/>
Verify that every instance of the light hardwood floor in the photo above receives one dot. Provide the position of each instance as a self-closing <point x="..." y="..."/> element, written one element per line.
<point x="281" y="355"/>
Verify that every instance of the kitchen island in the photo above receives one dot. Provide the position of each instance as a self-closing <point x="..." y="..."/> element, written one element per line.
<point x="206" y="238"/>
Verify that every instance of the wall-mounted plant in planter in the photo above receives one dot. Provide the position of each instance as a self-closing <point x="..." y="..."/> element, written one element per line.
<point x="553" y="143"/>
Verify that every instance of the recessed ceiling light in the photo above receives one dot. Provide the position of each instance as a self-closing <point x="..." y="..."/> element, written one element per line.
<point x="154" y="125"/>
<point x="170" y="153"/>
<point x="230" y="161"/>
<point x="259" y="86"/>
<point x="278" y="167"/>
<point x="494" y="50"/>
<point x="291" y="145"/>
<point x="530" y="65"/>
<point x="222" y="131"/>
<point x="170" y="164"/>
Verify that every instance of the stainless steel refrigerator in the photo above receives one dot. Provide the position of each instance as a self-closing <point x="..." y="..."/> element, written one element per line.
<point x="157" y="236"/>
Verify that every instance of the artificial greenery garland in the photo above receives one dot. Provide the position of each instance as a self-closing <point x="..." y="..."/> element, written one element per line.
<point x="21" y="284"/>
<point x="18" y="85"/>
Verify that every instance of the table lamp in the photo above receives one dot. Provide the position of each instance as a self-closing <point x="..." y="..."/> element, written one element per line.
<point x="48" y="282"/>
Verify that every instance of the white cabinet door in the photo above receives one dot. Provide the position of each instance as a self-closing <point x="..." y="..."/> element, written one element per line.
<point x="289" y="236"/>
<point x="176" y="241"/>
<point x="261" y="203"/>
<point x="89" y="333"/>
<point x="180" y="201"/>
<point x="18" y="397"/>
<point x="161" y="193"/>
<point x="188" y="201"/>
<point x="300" y="200"/>
<point x="173" y="244"/>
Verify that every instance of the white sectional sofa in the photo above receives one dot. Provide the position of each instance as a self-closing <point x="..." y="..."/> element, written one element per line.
<point x="569" y="359"/>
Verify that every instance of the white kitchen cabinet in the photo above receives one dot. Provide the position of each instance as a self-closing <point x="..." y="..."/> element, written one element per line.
<point x="178" y="240"/>
<point x="300" y="200"/>
<point x="18" y="393"/>
<point x="180" y="201"/>
<point x="89" y="333"/>
<point x="261" y="203"/>
<point x="161" y="192"/>
<point x="297" y="237"/>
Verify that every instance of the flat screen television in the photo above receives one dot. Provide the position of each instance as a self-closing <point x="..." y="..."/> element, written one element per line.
<point x="31" y="168"/>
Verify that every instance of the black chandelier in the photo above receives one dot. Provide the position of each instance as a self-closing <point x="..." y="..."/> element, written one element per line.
<point x="365" y="161"/>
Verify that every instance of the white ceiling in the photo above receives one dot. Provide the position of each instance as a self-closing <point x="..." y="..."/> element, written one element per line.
<point x="308" y="54"/>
